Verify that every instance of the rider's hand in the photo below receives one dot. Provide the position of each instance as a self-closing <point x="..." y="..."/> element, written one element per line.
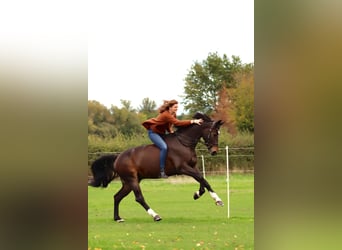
<point x="197" y="121"/>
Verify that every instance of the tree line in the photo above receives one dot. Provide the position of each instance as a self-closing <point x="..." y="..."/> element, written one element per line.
<point x="220" y="87"/>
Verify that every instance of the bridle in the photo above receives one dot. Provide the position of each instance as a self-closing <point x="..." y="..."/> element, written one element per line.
<point x="207" y="140"/>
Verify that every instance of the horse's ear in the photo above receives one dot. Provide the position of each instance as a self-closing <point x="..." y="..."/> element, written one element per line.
<point x="198" y="115"/>
<point x="218" y="123"/>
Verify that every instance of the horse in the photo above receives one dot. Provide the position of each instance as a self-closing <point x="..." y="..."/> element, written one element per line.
<point x="142" y="162"/>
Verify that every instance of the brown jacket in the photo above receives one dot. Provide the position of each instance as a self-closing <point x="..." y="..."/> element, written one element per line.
<point x="163" y="122"/>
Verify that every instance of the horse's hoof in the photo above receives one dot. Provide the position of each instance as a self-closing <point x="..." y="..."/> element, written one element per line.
<point x="120" y="220"/>
<point x="196" y="196"/>
<point x="219" y="203"/>
<point x="157" y="218"/>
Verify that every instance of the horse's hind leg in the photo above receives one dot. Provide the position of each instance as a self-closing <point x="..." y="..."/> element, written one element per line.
<point x="123" y="192"/>
<point x="141" y="200"/>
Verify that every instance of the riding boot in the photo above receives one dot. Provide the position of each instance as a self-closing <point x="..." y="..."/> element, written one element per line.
<point x="162" y="174"/>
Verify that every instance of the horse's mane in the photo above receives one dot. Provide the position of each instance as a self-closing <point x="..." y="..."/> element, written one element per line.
<point x="200" y="115"/>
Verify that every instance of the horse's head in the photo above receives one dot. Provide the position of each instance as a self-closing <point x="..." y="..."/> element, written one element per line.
<point x="210" y="136"/>
<point x="211" y="130"/>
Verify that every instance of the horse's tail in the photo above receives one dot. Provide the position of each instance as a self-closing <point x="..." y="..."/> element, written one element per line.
<point x="103" y="170"/>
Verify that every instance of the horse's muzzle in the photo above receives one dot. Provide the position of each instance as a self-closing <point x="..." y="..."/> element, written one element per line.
<point x="213" y="150"/>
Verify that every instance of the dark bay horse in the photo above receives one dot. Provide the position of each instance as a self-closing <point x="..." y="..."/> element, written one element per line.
<point x="142" y="162"/>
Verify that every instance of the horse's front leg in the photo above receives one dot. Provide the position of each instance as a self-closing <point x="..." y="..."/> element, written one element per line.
<point x="212" y="193"/>
<point x="200" y="192"/>
<point x="195" y="173"/>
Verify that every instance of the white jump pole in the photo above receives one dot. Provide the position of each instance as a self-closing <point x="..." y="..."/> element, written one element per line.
<point x="203" y="166"/>
<point x="227" y="158"/>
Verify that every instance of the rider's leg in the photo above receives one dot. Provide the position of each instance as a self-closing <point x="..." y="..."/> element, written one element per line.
<point x="160" y="143"/>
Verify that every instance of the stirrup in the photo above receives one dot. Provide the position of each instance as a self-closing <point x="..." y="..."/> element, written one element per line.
<point x="163" y="175"/>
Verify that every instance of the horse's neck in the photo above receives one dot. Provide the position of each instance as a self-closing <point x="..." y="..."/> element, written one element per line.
<point x="189" y="137"/>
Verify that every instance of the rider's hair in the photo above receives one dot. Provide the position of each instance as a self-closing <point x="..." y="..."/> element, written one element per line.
<point x="167" y="105"/>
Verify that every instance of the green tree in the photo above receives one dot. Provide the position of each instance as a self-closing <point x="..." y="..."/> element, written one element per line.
<point x="100" y="120"/>
<point x="205" y="80"/>
<point x="127" y="105"/>
<point x="126" y="119"/>
<point x="148" y="108"/>
<point x="243" y="99"/>
<point x="98" y="113"/>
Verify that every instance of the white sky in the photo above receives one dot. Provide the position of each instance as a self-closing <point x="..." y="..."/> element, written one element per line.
<point x="139" y="49"/>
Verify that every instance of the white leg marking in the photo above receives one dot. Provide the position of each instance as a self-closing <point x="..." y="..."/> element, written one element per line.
<point x="214" y="196"/>
<point x="151" y="212"/>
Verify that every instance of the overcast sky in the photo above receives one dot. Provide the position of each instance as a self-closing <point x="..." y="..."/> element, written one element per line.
<point x="139" y="49"/>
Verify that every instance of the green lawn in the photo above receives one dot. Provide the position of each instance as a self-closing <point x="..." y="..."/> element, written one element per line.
<point x="186" y="224"/>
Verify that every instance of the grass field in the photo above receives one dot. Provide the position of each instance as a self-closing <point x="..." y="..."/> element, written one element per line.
<point x="186" y="224"/>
